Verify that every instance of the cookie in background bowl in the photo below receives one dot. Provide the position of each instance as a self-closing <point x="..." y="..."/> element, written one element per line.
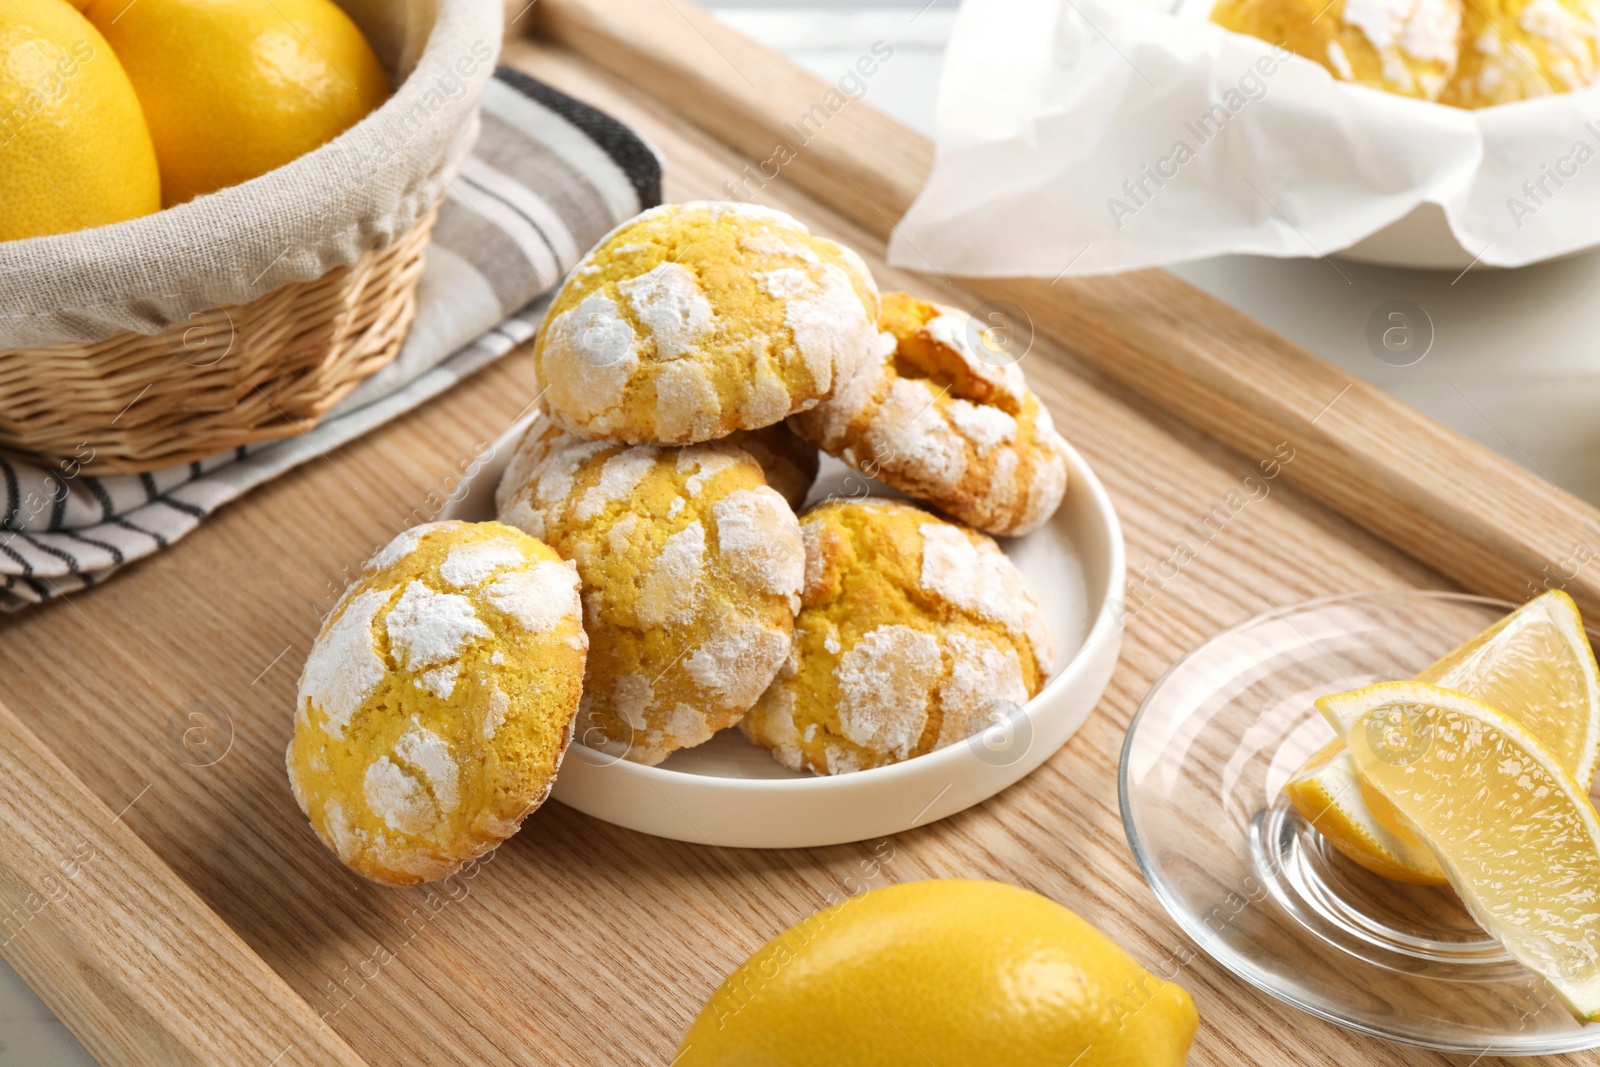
<point x="1520" y="49"/>
<point x="691" y="321"/>
<point x="438" y="699"/>
<point x="1410" y="49"/>
<point x="691" y="568"/>
<point x="931" y="418"/>
<point x="913" y="633"/>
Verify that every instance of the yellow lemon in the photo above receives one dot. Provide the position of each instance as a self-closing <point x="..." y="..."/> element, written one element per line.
<point x="235" y="88"/>
<point x="1327" y="791"/>
<point x="74" y="148"/>
<point x="1515" y="833"/>
<point x="947" y="971"/>
<point x="1535" y="665"/>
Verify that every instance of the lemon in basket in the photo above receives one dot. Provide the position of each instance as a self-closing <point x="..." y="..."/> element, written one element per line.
<point x="235" y="88"/>
<point x="965" y="973"/>
<point x="74" y="149"/>
<point x="1534" y="665"/>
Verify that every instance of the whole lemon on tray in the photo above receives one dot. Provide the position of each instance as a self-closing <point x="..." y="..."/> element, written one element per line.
<point x="947" y="971"/>
<point x="234" y="88"/>
<point x="74" y="149"/>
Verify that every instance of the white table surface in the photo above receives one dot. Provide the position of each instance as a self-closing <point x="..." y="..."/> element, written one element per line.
<point x="1513" y="363"/>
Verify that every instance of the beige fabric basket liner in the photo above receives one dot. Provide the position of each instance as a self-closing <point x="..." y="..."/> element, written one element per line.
<point x="356" y="195"/>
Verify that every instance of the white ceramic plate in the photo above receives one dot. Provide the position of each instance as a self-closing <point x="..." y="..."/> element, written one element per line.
<point x="729" y="792"/>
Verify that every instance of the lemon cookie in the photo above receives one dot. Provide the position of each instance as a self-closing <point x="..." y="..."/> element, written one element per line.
<point x="1518" y="49"/>
<point x="789" y="461"/>
<point x="691" y="570"/>
<point x="1409" y="47"/>
<point x="932" y="419"/>
<point x="438" y="699"/>
<point x="912" y="633"/>
<point x="694" y="320"/>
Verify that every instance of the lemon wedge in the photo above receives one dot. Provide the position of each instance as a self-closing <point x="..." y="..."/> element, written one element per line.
<point x="1515" y="833"/>
<point x="1536" y="666"/>
<point x="1535" y="663"/>
<point x="1327" y="791"/>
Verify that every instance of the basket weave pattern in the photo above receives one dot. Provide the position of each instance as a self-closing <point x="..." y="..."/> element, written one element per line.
<point x="231" y="376"/>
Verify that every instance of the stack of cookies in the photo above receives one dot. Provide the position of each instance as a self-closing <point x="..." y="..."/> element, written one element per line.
<point x="692" y="366"/>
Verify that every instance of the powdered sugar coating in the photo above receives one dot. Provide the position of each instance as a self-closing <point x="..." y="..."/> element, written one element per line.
<point x="592" y="355"/>
<point x="770" y="244"/>
<point x="760" y="538"/>
<point x="907" y="427"/>
<point x="429" y="755"/>
<point x="427" y="628"/>
<point x="468" y="566"/>
<point x="930" y="417"/>
<point x="494" y="715"/>
<point x="440" y="681"/>
<point x="401" y="547"/>
<point x="735" y="663"/>
<point x="619" y="477"/>
<point x="398" y="798"/>
<point x="913" y="634"/>
<point x="986" y="427"/>
<point x="687" y="405"/>
<point x="977" y="577"/>
<point x="884" y="683"/>
<point x="669" y="302"/>
<point x="706" y="463"/>
<point x="671" y="589"/>
<point x="983" y="679"/>
<point x="344" y="667"/>
<point x="539" y="598"/>
<point x="831" y="329"/>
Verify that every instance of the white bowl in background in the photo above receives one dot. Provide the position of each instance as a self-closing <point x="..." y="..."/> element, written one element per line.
<point x="729" y="792"/>
<point x="1421" y="240"/>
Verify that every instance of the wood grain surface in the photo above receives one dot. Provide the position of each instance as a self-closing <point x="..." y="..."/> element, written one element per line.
<point x="129" y="957"/>
<point x="580" y="943"/>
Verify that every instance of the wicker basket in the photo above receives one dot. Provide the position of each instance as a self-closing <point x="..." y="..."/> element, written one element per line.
<point x="244" y="315"/>
<point x="231" y="376"/>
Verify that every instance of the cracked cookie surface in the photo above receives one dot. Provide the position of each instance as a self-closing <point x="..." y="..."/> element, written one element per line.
<point x="931" y="418"/>
<point x="913" y="632"/>
<point x="437" y="700"/>
<point x="691" y="568"/>
<point x="691" y="321"/>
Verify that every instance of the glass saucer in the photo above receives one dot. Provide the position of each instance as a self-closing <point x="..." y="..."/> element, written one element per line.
<point x="1259" y="891"/>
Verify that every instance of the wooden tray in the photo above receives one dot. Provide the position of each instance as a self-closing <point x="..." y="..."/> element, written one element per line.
<point x="165" y="897"/>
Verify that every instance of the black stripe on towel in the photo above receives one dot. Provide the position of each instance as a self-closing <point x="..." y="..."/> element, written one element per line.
<point x="107" y="508"/>
<point x="58" y="511"/>
<point x="66" y="557"/>
<point x="5" y="546"/>
<point x="112" y="550"/>
<point x="187" y="509"/>
<point x="161" y="542"/>
<point x="13" y="496"/>
<point x="625" y="148"/>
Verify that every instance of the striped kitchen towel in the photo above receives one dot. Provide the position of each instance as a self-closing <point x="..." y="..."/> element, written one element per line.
<point x="547" y="179"/>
